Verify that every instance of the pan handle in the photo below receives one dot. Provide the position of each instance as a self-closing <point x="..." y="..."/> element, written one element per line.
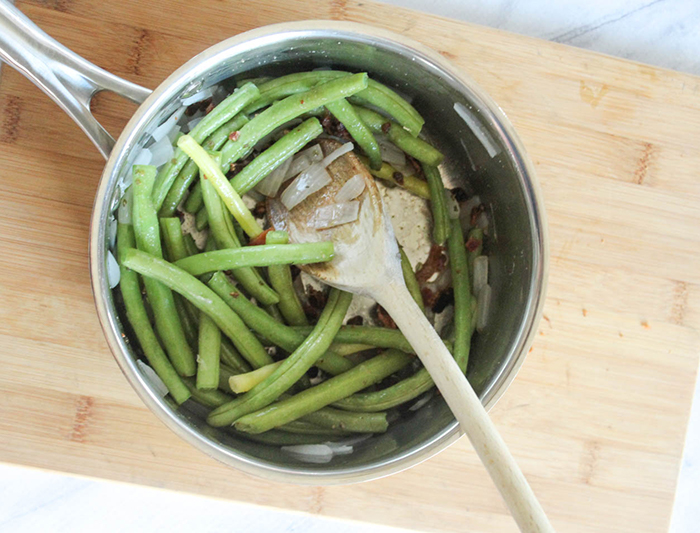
<point x="67" y="78"/>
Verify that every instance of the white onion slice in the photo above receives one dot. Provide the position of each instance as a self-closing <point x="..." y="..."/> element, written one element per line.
<point x="304" y="160"/>
<point x="113" y="274"/>
<point x="124" y="210"/>
<point x="151" y="376"/>
<point x="311" y="453"/>
<point x="332" y="215"/>
<point x="340" y="449"/>
<point x="193" y="123"/>
<point x="482" y="221"/>
<point x="390" y="152"/>
<point x="452" y="205"/>
<point x="352" y="188"/>
<point x="335" y="154"/>
<point x="271" y="183"/>
<point x="483" y="306"/>
<point x="143" y="158"/>
<point x="481" y="272"/>
<point x="162" y="151"/>
<point x="313" y="179"/>
<point x="198" y="97"/>
<point x="166" y="128"/>
<point x="112" y="232"/>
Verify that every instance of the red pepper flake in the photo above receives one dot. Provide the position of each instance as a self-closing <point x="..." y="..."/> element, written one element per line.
<point x="355" y="321"/>
<point x="234" y="135"/>
<point x="386" y="127"/>
<point x="234" y="294"/>
<point x="302" y="102"/>
<point x="473" y="244"/>
<point x="259" y="239"/>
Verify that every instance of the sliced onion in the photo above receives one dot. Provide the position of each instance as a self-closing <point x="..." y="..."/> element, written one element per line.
<point x="170" y="124"/>
<point x="193" y="123"/>
<point x="198" y="97"/>
<point x="153" y="378"/>
<point x="351" y="190"/>
<point x="162" y="151"/>
<point x="422" y="401"/>
<point x="124" y="211"/>
<point x="482" y="221"/>
<point x="113" y="274"/>
<point x="340" y="449"/>
<point x="483" y="306"/>
<point x="144" y="157"/>
<point x="390" y="152"/>
<point x="304" y="160"/>
<point x="335" y="154"/>
<point x="333" y="215"/>
<point x="311" y="453"/>
<point x="273" y="181"/>
<point x="112" y="232"/>
<point x="481" y="272"/>
<point x="305" y="184"/>
<point x="452" y="205"/>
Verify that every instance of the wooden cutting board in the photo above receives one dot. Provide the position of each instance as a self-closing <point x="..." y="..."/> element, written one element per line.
<point x="597" y="416"/>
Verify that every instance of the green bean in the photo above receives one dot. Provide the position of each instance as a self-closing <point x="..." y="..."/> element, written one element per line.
<point x="409" y="278"/>
<point x="232" y="358"/>
<point x="224" y="234"/>
<point x="349" y="349"/>
<point x="476" y="236"/>
<point x="275" y="155"/>
<point x="332" y="390"/>
<point x="189" y="326"/>
<point x="194" y="201"/>
<point x="264" y="255"/>
<point x="204" y="299"/>
<point x="293" y="367"/>
<point x="402" y="392"/>
<point x="441" y="220"/>
<point x="373" y="336"/>
<point x="208" y="398"/>
<point x="228" y="194"/>
<point x="209" y="353"/>
<point x="171" y="230"/>
<point x="137" y="317"/>
<point x="259" y="321"/>
<point x="286" y="110"/>
<point x="413" y="146"/>
<point x="388" y="173"/>
<point x="346" y="421"/>
<point x="201" y="219"/>
<point x="274" y="311"/>
<point x="225" y="373"/>
<point x="190" y="245"/>
<point x="375" y="94"/>
<point x="462" y="294"/>
<point x="345" y="113"/>
<point x="190" y="171"/>
<point x="281" y="280"/>
<point x="227" y="109"/>
<point x="255" y="81"/>
<point x="298" y="427"/>
<point x="147" y="235"/>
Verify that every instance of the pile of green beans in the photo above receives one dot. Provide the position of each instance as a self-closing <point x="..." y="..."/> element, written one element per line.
<point x="229" y="307"/>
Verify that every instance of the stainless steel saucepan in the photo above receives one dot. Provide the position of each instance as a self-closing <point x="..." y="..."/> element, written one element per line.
<point x="482" y="151"/>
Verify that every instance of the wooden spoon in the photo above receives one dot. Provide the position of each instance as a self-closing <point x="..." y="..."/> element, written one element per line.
<point x="367" y="262"/>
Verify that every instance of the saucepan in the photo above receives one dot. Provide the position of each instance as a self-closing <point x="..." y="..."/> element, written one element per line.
<point x="483" y="154"/>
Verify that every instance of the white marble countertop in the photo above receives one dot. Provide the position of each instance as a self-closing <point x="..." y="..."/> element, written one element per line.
<point x="661" y="32"/>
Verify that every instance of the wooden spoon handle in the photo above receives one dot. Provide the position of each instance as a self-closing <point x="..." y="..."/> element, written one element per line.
<point x="466" y="406"/>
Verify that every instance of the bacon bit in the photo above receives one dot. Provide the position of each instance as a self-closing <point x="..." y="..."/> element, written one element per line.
<point x="234" y="135"/>
<point x="415" y="164"/>
<point x="234" y="294"/>
<point x="398" y="177"/>
<point x="355" y="321"/>
<point x="444" y="299"/>
<point x="436" y="262"/>
<point x="472" y="244"/>
<point x="316" y="302"/>
<point x="385" y="319"/>
<point x="259" y="239"/>
<point x="429" y="297"/>
<point x="475" y="213"/>
<point x="386" y="127"/>
<point x="327" y="122"/>
<point x="260" y="209"/>
<point x="209" y="108"/>
<point x="198" y="106"/>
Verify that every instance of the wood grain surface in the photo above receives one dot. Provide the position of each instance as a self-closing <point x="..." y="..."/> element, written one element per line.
<point x="597" y="415"/>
